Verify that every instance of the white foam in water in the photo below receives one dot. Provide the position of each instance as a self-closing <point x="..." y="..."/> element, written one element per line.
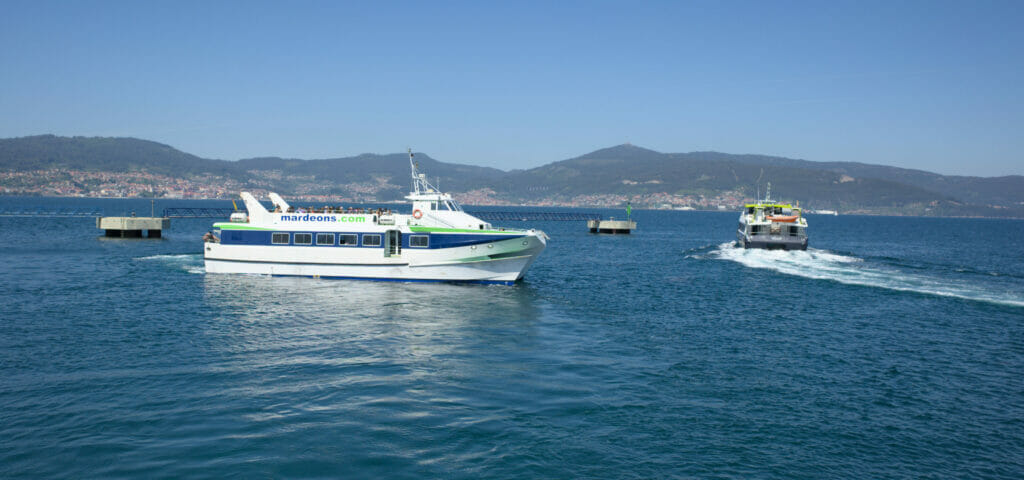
<point x="823" y="265"/>
<point x="191" y="262"/>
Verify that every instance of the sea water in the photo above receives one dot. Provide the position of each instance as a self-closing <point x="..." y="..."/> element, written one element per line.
<point x="892" y="348"/>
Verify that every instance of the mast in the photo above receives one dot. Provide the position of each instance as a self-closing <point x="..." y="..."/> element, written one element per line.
<point x="419" y="180"/>
<point x="415" y="174"/>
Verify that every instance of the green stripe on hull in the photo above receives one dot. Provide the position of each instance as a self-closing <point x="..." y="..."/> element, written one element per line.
<point x="464" y="230"/>
<point x="236" y="226"/>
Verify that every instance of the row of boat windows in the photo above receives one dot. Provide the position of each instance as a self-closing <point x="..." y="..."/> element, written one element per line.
<point x="344" y="239"/>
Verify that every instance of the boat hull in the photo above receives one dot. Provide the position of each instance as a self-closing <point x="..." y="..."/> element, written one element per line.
<point x="503" y="263"/>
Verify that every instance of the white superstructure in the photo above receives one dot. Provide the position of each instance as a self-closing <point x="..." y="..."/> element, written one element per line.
<point x="437" y="241"/>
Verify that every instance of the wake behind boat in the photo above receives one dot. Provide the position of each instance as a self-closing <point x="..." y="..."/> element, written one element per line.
<point x="772" y="226"/>
<point x="438" y="241"/>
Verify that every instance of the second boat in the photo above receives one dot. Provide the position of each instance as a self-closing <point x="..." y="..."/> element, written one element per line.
<point x="772" y="226"/>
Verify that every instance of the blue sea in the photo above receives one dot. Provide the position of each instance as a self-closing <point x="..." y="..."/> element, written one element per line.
<point x="892" y="348"/>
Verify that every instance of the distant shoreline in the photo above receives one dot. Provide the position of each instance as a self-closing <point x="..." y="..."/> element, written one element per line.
<point x="510" y="205"/>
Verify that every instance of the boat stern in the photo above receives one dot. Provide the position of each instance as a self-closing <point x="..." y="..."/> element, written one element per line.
<point x="775" y="242"/>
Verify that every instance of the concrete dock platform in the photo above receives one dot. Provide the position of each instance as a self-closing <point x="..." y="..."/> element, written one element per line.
<point x="611" y="226"/>
<point x="132" y="227"/>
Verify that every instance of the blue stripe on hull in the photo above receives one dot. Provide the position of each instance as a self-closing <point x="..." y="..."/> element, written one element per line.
<point x="436" y="240"/>
<point x="409" y="280"/>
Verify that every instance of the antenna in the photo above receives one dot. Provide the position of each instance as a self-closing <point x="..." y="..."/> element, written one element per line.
<point x="420" y="184"/>
<point x="415" y="174"/>
<point x="757" y="183"/>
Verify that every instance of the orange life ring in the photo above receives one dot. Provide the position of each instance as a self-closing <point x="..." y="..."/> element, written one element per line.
<point x="417" y="214"/>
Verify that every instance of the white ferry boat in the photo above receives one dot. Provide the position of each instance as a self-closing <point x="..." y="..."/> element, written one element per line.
<point x="773" y="226"/>
<point x="438" y="241"/>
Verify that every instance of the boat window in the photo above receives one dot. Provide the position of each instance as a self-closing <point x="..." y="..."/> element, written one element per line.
<point x="371" y="240"/>
<point x="279" y="239"/>
<point x="421" y="241"/>
<point x="303" y="238"/>
<point x="325" y="239"/>
<point x="346" y="239"/>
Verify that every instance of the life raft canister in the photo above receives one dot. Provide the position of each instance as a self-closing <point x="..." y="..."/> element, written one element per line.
<point x="417" y="214"/>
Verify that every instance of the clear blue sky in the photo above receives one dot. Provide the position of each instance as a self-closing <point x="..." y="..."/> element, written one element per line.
<point x="933" y="85"/>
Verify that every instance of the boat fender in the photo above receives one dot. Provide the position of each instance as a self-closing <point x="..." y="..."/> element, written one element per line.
<point x="417" y="214"/>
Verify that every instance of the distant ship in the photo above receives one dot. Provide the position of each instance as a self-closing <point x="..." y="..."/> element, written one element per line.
<point x="438" y="241"/>
<point x="772" y="226"/>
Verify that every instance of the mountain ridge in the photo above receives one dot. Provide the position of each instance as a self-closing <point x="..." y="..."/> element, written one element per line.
<point x="611" y="175"/>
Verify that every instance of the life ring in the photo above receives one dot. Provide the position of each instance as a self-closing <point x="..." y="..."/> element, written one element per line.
<point x="417" y="214"/>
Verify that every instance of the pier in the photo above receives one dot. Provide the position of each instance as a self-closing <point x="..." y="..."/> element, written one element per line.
<point x="132" y="227"/>
<point x="611" y="226"/>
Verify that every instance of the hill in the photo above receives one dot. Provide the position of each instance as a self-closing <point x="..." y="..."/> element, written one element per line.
<point x="606" y="177"/>
<point x="104" y="154"/>
<point x="630" y="170"/>
<point x="983" y="190"/>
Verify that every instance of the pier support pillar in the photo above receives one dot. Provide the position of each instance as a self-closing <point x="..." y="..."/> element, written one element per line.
<point x="132" y="227"/>
<point x="611" y="226"/>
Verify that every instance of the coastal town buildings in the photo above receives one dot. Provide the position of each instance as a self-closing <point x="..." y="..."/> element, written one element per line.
<point x="79" y="183"/>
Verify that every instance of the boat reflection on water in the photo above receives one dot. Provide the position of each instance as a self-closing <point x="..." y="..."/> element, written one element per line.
<point x="322" y="320"/>
<point x="382" y="368"/>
